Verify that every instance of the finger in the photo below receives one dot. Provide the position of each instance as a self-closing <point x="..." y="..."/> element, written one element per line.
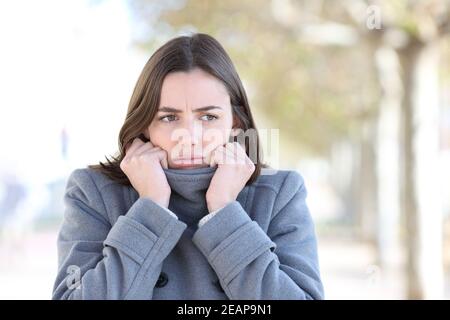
<point x="144" y="148"/>
<point x="158" y="152"/>
<point x="164" y="163"/>
<point x="242" y="153"/>
<point x="215" y="160"/>
<point x="136" y="143"/>
<point x="239" y="143"/>
<point x="207" y="155"/>
<point x="211" y="160"/>
<point x="235" y="152"/>
<point x="238" y="148"/>
<point x="221" y="156"/>
<point x="162" y="157"/>
<point x="233" y="158"/>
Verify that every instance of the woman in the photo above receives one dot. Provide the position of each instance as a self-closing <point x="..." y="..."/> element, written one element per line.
<point x="185" y="211"/>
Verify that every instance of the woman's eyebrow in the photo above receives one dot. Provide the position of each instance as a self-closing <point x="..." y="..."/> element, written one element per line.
<point x="170" y="109"/>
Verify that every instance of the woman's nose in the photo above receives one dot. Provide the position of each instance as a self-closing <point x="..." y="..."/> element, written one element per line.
<point x="190" y="141"/>
<point x="192" y="133"/>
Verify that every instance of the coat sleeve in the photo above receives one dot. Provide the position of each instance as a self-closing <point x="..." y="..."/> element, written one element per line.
<point x="100" y="261"/>
<point x="252" y="264"/>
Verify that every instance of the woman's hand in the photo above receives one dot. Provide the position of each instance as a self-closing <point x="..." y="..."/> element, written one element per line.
<point x="143" y="165"/>
<point x="234" y="170"/>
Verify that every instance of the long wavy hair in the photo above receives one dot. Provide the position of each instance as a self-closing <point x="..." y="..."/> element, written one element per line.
<point x="183" y="53"/>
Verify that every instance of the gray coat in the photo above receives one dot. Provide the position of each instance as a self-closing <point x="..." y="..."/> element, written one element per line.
<point x="115" y="245"/>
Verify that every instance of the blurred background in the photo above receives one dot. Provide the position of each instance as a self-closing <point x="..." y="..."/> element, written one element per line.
<point x="358" y="90"/>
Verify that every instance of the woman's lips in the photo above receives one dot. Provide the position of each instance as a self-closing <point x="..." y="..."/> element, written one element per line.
<point x="189" y="166"/>
<point x="190" y="160"/>
<point x="188" y="163"/>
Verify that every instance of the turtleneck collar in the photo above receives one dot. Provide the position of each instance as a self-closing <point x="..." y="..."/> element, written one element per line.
<point x="189" y="183"/>
<point x="188" y="197"/>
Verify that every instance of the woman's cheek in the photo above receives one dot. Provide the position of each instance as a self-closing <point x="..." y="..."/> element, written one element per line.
<point x="158" y="138"/>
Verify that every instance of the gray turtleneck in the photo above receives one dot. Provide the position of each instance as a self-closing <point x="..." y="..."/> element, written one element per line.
<point x="115" y="245"/>
<point x="181" y="181"/>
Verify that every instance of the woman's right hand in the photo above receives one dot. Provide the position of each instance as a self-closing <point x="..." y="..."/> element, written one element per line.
<point x="143" y="165"/>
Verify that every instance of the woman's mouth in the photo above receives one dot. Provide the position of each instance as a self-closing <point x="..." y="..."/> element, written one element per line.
<point x="189" y="163"/>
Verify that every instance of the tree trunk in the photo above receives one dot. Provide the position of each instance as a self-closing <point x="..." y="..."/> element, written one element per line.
<point x="366" y="187"/>
<point x="421" y="206"/>
<point x="387" y="160"/>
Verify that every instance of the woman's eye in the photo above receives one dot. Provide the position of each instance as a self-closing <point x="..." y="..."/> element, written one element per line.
<point x="171" y="117"/>
<point x="210" y="117"/>
<point x="168" y="118"/>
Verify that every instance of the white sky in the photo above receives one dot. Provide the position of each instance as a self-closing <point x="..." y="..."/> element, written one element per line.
<point x="63" y="63"/>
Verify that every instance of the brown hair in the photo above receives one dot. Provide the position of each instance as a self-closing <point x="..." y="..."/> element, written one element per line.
<point x="183" y="53"/>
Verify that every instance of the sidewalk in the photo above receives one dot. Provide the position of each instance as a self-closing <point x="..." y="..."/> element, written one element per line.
<point x="28" y="269"/>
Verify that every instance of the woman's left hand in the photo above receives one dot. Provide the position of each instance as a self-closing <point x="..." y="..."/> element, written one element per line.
<point x="234" y="170"/>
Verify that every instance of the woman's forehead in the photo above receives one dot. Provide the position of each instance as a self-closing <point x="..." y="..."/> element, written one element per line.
<point x="193" y="89"/>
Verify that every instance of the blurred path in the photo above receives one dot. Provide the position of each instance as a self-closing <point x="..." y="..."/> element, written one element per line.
<point x="28" y="266"/>
<point x="28" y="269"/>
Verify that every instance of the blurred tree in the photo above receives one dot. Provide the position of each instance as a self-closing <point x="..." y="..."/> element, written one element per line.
<point x="299" y="75"/>
<point x="303" y="89"/>
<point x="330" y="73"/>
<point x="413" y="30"/>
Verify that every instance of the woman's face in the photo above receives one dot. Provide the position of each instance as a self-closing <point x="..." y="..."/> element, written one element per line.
<point x="194" y="117"/>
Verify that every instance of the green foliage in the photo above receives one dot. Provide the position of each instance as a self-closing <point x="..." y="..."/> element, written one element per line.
<point x="314" y="94"/>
